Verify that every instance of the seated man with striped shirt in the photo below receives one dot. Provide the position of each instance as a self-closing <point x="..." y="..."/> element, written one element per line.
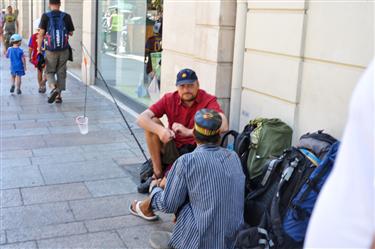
<point x="205" y="189"/>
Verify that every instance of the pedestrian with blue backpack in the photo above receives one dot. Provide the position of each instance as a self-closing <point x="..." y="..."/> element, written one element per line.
<point x="56" y="26"/>
<point x="17" y="62"/>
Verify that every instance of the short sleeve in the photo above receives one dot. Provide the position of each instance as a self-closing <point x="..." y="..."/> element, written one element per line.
<point x="69" y="23"/>
<point x="43" y="22"/>
<point x="214" y="105"/>
<point x="159" y="107"/>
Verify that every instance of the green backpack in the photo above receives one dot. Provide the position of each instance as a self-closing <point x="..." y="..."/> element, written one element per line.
<point x="268" y="139"/>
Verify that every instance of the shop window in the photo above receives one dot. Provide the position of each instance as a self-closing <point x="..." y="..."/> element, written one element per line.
<point x="129" y="48"/>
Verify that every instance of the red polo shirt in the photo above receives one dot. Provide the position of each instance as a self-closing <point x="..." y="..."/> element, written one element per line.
<point x="172" y="106"/>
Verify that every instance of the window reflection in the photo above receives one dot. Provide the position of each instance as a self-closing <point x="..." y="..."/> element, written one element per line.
<point x="129" y="48"/>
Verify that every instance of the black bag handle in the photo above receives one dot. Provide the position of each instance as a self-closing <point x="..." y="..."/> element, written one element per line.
<point x="224" y="139"/>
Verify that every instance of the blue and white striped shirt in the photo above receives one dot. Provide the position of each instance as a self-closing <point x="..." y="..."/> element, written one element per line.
<point x="207" y="188"/>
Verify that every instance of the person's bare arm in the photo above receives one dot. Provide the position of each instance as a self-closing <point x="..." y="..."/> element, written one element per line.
<point x="40" y="39"/>
<point x="24" y="62"/>
<point x="30" y="54"/>
<point x="182" y="130"/>
<point x="145" y="121"/>
<point x="224" y="123"/>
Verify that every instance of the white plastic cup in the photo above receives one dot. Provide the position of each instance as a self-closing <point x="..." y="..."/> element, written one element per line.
<point x="83" y="124"/>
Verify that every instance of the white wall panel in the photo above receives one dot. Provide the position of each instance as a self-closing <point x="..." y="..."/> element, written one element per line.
<point x="276" y="4"/>
<point x="341" y="31"/>
<point x="278" y="32"/>
<point x="256" y="105"/>
<point x="272" y="74"/>
<point x="325" y="96"/>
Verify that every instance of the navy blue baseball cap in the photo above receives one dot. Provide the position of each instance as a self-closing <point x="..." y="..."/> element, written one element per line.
<point x="186" y="76"/>
<point x="207" y="122"/>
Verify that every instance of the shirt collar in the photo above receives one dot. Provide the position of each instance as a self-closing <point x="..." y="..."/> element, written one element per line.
<point x="211" y="147"/>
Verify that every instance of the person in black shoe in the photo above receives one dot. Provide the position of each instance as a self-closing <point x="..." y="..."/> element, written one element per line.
<point x="57" y="26"/>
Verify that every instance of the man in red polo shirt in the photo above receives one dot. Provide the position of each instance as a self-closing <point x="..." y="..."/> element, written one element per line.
<point x="166" y="144"/>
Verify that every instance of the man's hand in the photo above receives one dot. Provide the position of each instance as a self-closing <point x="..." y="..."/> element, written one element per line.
<point x="163" y="182"/>
<point x="159" y="182"/>
<point x="154" y="183"/>
<point x="166" y="135"/>
<point x="182" y="130"/>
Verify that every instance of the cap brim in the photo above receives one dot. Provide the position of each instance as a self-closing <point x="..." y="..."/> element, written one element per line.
<point x="183" y="82"/>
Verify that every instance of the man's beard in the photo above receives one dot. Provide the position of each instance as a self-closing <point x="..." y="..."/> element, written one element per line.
<point x="189" y="99"/>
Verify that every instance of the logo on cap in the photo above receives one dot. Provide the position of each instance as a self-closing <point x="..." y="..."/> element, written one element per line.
<point x="208" y="116"/>
<point x="184" y="75"/>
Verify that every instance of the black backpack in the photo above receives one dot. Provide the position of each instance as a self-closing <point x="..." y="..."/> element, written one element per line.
<point x="240" y="144"/>
<point x="278" y="211"/>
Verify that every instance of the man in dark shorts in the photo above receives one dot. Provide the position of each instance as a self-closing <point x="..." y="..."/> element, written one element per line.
<point x="57" y="26"/>
<point x="166" y="144"/>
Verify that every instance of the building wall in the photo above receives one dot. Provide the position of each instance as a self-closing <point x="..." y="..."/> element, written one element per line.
<point x="339" y="45"/>
<point x="75" y="9"/>
<point x="23" y="18"/>
<point x="302" y="60"/>
<point x="199" y="35"/>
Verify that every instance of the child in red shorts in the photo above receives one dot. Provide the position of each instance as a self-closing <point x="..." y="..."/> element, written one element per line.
<point x="37" y="60"/>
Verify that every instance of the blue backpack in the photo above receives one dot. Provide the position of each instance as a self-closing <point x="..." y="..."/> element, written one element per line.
<point x="298" y="215"/>
<point x="277" y="213"/>
<point x="57" y="34"/>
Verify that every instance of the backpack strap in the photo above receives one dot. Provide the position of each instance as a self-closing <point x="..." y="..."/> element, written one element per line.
<point x="313" y="159"/>
<point x="266" y="242"/>
<point x="226" y="135"/>
<point x="275" y="216"/>
<point x="51" y="15"/>
<point x="270" y="169"/>
<point x="311" y="186"/>
<point x="62" y="15"/>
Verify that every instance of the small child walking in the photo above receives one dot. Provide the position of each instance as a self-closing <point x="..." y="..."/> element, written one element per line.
<point x="17" y="62"/>
<point x="38" y="59"/>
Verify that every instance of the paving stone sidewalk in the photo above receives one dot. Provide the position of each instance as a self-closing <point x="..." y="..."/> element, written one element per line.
<point x="60" y="189"/>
